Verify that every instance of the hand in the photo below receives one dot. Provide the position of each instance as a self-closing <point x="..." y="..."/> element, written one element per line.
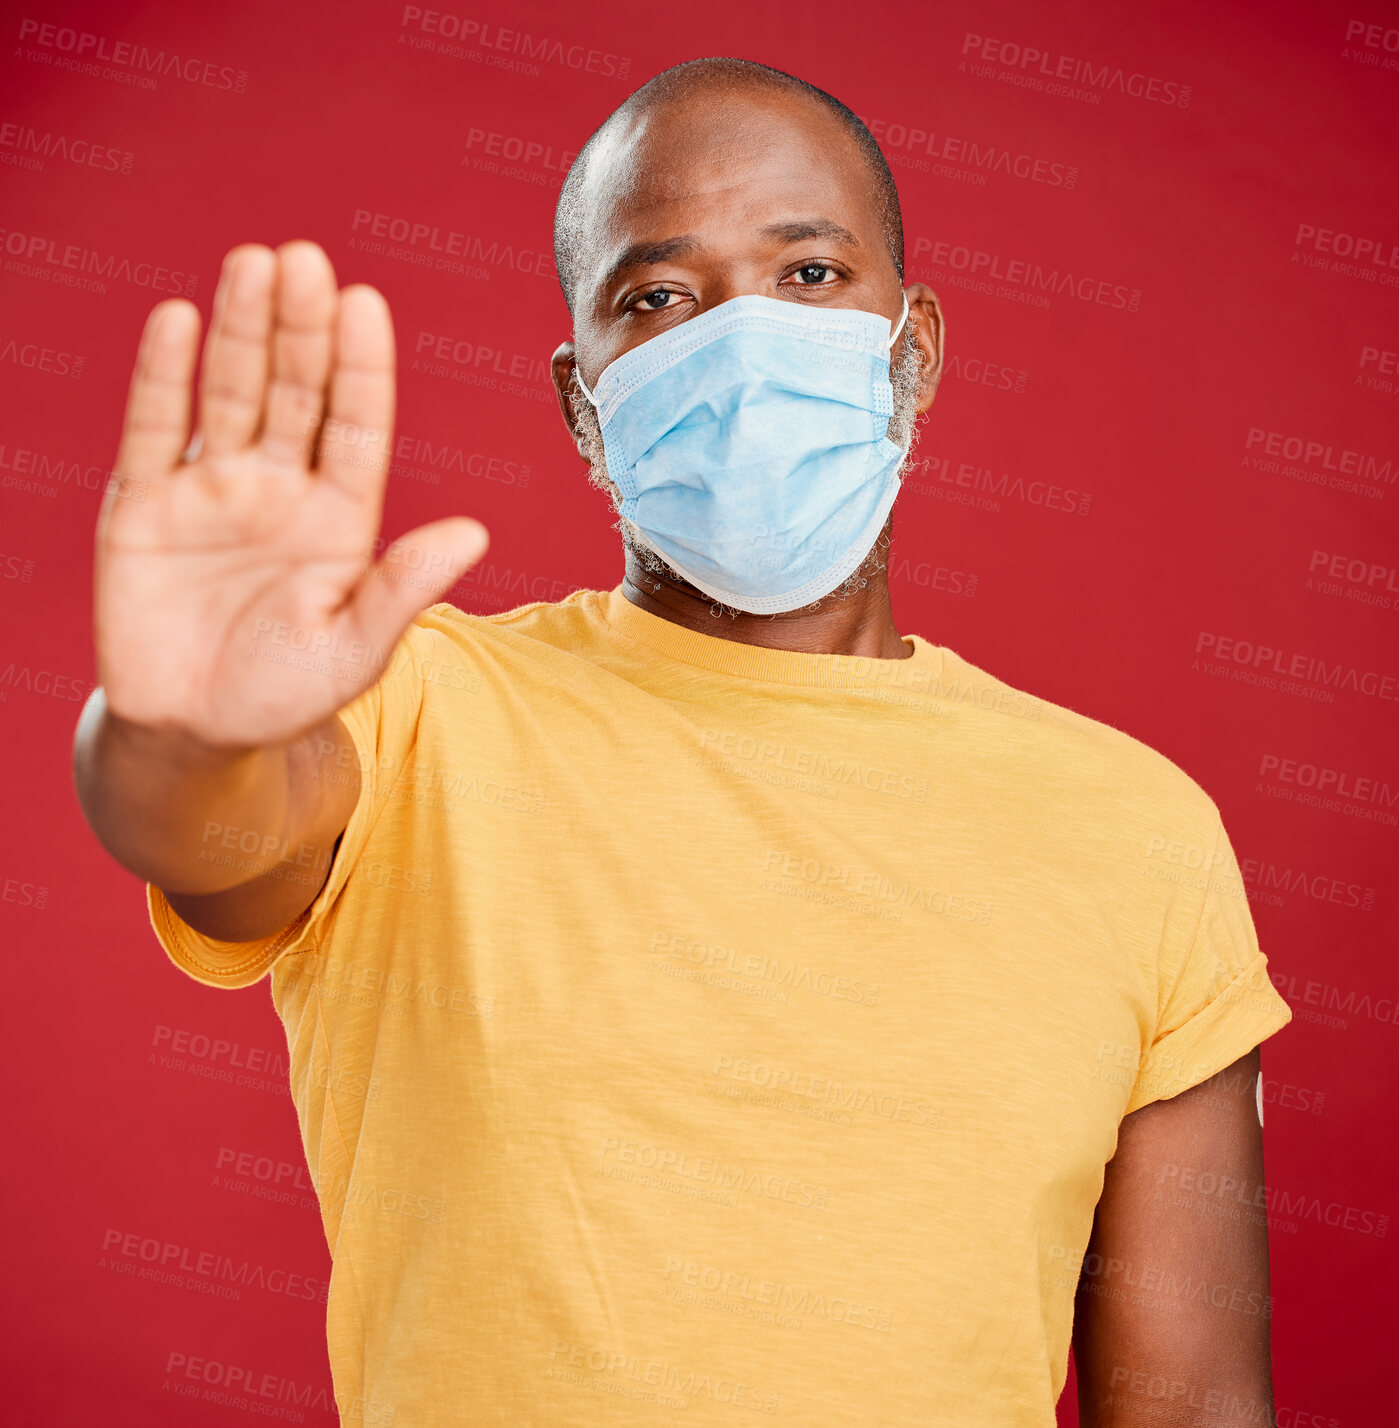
<point x="237" y="600"/>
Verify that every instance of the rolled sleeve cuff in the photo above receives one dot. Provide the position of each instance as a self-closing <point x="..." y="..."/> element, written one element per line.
<point x="1246" y="1012"/>
<point x="222" y="964"/>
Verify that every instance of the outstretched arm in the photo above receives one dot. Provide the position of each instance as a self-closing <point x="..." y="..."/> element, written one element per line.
<point x="209" y="763"/>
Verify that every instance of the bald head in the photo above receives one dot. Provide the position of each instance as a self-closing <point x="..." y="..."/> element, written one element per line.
<point x="647" y="147"/>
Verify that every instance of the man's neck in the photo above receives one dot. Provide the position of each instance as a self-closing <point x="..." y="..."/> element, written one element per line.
<point x="860" y="624"/>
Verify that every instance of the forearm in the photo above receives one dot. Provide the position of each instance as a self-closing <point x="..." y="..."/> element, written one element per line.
<point x="198" y="820"/>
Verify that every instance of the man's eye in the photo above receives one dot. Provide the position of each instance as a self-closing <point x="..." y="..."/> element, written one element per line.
<point x="812" y="275"/>
<point x="653" y="302"/>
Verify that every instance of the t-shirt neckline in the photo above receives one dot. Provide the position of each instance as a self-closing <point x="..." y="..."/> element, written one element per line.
<point x="735" y="658"/>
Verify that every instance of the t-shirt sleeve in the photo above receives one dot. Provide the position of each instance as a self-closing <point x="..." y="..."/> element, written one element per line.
<point x="1216" y="1002"/>
<point x="382" y="724"/>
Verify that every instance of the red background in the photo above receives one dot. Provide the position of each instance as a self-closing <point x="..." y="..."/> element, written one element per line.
<point x="285" y="121"/>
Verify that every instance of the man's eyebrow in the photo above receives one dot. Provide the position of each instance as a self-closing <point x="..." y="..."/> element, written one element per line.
<point x="802" y="228"/>
<point x="641" y="255"/>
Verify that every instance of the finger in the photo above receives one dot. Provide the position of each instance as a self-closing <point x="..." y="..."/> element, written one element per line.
<point x="233" y="384"/>
<point x="303" y="337"/>
<point x="416" y="571"/>
<point x="158" y="403"/>
<point x="354" y="447"/>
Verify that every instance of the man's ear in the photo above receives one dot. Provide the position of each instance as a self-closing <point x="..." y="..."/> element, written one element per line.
<point x="925" y="317"/>
<point x="563" y="365"/>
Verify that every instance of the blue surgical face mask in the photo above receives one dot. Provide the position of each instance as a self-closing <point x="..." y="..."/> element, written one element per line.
<point x="749" y="447"/>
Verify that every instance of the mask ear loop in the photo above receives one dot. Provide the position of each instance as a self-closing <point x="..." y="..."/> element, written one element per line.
<point x="889" y="346"/>
<point x="578" y="377"/>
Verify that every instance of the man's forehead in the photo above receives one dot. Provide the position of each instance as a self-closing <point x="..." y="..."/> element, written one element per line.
<point x="746" y="168"/>
<point x="709" y="144"/>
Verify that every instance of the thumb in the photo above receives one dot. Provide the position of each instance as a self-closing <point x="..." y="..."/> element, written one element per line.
<point x="415" y="571"/>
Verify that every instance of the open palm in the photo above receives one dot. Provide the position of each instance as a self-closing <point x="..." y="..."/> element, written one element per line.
<point x="237" y="598"/>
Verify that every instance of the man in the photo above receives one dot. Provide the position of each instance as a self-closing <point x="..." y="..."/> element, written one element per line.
<point x="705" y="1004"/>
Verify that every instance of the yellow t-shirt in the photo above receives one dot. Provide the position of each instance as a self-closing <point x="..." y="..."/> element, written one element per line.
<point x="694" y="1032"/>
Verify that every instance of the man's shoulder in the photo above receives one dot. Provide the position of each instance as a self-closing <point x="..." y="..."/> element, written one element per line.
<point x="444" y="624"/>
<point x="1083" y="756"/>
